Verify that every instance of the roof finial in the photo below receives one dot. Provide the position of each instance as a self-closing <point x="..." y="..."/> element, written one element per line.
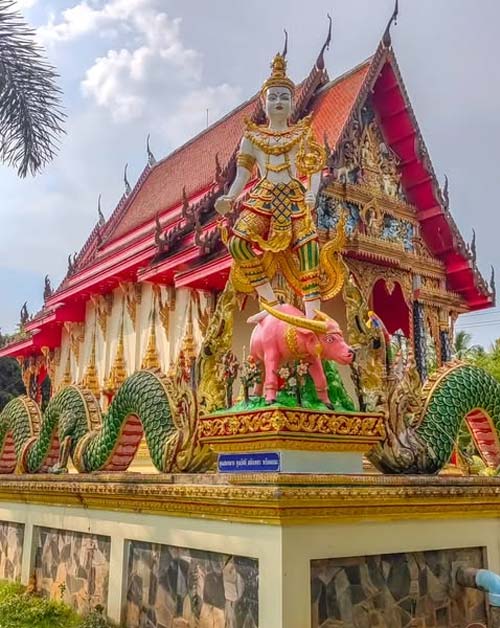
<point x="492" y="282"/>
<point x="101" y="220"/>
<point x="47" y="290"/>
<point x="128" y="189"/>
<point x="320" y="61"/>
<point x="24" y="315"/>
<point x="386" y="38"/>
<point x="446" y="196"/>
<point x="285" y="46"/>
<point x="151" y="157"/>
<point x="473" y="250"/>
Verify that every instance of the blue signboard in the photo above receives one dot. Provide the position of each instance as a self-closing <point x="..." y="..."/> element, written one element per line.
<point x="249" y="463"/>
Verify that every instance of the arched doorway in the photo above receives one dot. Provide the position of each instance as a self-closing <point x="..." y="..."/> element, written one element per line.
<point x="389" y="303"/>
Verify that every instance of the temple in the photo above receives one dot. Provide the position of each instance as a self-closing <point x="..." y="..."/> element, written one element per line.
<point x="235" y="432"/>
<point x="147" y="279"/>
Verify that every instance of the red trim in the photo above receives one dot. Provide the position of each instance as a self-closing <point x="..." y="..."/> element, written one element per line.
<point x="418" y="179"/>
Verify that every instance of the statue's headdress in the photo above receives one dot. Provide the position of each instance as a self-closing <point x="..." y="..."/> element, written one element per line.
<point x="278" y="76"/>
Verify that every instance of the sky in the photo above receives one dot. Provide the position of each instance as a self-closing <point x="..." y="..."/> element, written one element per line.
<point x="132" y="67"/>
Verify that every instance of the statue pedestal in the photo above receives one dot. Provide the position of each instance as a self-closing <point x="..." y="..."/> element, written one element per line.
<point x="291" y="440"/>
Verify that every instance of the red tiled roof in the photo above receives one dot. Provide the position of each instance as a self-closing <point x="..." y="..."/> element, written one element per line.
<point x="335" y="102"/>
<point x="193" y="164"/>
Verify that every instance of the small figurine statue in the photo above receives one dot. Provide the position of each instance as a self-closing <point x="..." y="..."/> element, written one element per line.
<point x="276" y="218"/>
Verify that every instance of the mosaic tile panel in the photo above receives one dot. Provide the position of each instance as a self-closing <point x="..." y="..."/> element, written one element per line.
<point x="396" y="591"/>
<point x="73" y="566"/>
<point x="11" y="550"/>
<point x="172" y="587"/>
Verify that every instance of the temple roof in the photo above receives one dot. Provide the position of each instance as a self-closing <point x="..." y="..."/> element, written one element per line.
<point x="193" y="165"/>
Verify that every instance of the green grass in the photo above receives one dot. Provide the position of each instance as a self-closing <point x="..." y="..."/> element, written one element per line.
<point x="19" y="609"/>
<point x="336" y="392"/>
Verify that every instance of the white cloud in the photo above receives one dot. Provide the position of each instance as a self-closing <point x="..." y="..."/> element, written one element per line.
<point x="25" y="4"/>
<point x="151" y="61"/>
<point x="191" y="114"/>
<point x="124" y="80"/>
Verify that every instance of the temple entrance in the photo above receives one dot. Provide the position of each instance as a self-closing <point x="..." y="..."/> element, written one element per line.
<point x="389" y="304"/>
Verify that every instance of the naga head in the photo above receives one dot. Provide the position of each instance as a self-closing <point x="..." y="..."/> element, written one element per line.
<point x="322" y="334"/>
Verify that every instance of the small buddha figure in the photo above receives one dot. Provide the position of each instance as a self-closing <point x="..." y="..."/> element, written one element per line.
<point x="276" y="218"/>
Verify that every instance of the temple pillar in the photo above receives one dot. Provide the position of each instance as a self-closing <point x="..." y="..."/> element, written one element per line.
<point x="444" y="336"/>
<point x="419" y="339"/>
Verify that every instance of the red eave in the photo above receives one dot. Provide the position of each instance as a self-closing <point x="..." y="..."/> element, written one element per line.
<point x="18" y="349"/>
<point x="419" y="181"/>
<point x="210" y="275"/>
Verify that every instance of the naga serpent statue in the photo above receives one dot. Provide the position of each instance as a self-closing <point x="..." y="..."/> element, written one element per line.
<point x="422" y="422"/>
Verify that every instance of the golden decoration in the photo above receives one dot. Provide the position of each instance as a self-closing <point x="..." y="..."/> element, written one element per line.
<point x="332" y="266"/>
<point x="276" y="143"/>
<point x="217" y="341"/>
<point x="311" y="156"/>
<point x="316" y="326"/>
<point x="296" y="429"/>
<point x="76" y="334"/>
<point x="132" y="294"/>
<point x="118" y="372"/>
<point x="151" y="360"/>
<point x="369" y="369"/>
<point x="103" y="305"/>
<point x="90" y="379"/>
<point x="278" y="76"/>
<point x="267" y="499"/>
<point x="368" y="274"/>
<point x="292" y="343"/>
<point x="245" y="161"/>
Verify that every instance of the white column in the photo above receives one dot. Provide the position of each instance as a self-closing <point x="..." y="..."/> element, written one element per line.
<point x="117" y="578"/>
<point x="29" y="549"/>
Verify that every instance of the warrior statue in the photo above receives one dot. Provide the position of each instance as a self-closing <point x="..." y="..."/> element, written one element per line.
<point x="274" y="229"/>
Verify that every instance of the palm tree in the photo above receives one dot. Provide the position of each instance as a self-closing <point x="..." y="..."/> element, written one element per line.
<point x="462" y="347"/>
<point x="30" y="114"/>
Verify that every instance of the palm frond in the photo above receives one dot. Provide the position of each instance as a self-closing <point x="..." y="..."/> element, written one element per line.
<point x="30" y="107"/>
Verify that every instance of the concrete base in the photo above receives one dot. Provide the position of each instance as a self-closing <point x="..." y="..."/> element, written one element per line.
<point x="284" y="523"/>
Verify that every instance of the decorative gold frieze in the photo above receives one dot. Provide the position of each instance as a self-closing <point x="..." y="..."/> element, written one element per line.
<point x="367" y="276"/>
<point x="267" y="499"/>
<point x="284" y="428"/>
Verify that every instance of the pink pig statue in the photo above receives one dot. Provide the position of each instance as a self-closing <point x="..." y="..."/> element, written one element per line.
<point x="288" y="335"/>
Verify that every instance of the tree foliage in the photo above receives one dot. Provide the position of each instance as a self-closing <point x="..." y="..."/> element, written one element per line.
<point x="490" y="360"/>
<point x="30" y="112"/>
<point x="11" y="384"/>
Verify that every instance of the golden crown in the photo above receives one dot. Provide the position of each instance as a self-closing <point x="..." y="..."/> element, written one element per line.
<point x="278" y="76"/>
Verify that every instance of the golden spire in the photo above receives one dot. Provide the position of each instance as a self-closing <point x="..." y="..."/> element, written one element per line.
<point x="278" y="76"/>
<point x="90" y="380"/>
<point x="188" y="347"/>
<point x="151" y="359"/>
<point x="118" y="372"/>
